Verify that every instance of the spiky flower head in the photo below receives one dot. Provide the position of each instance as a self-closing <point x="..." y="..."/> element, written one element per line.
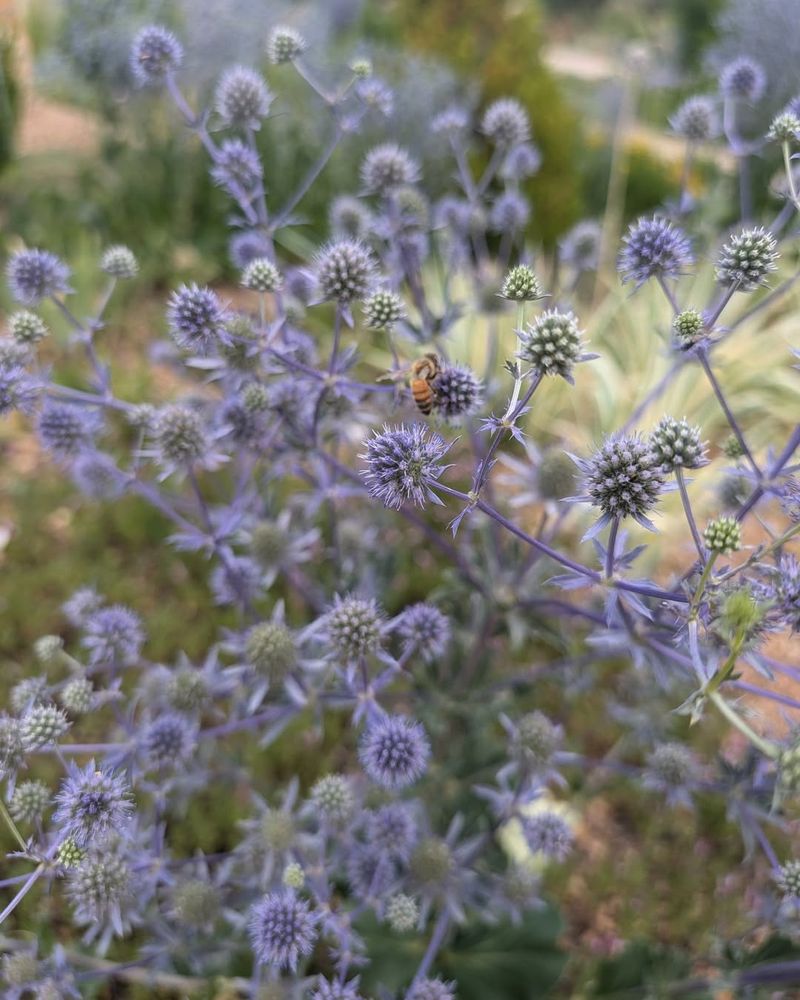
<point x="354" y="626"/>
<point x="48" y="648"/>
<point x="169" y="740"/>
<point x="29" y="801"/>
<point x="788" y="765"/>
<point x="65" y="429"/>
<point x="26" y="327"/>
<point x="113" y="636"/>
<point x="18" y="390"/>
<point x="285" y="44"/>
<point x="723" y="535"/>
<point x="785" y="590"/>
<point x="344" y="271"/>
<point x="236" y="165"/>
<point x="99" y="886"/>
<point x="424" y="627"/>
<point x="548" y="833"/>
<point x="746" y="259"/>
<point x="293" y="876"/>
<point x="388" y="166"/>
<point x="788" y="879"/>
<point x="451" y="122"/>
<point x="459" y="392"/>
<point x="283" y="929"/>
<point x="555" y="475"/>
<point x="196" y="318"/>
<point x="242" y="98"/>
<point x="97" y="476"/>
<point x="77" y="696"/>
<point x="580" y="247"/>
<point x="119" y="262"/>
<point x="383" y="310"/>
<point x="21" y="969"/>
<point x="521" y="161"/>
<point x="689" y="327"/>
<point x="187" y="690"/>
<point x="70" y="853"/>
<point x="155" y="52"/>
<point x="394" y="751"/>
<point x="403" y="465"/>
<point x="29" y="691"/>
<point x="332" y="798"/>
<point x="654" y="248"/>
<point x="509" y="213"/>
<point x="534" y="740"/>
<point x="696" y="119"/>
<point x="521" y="284"/>
<point x="179" y="435"/>
<point x="623" y="478"/>
<point x="349" y="217"/>
<point x="330" y="990"/>
<point x="505" y="122"/>
<point x="670" y="767"/>
<point x="785" y="127"/>
<point x="402" y="913"/>
<point x="42" y="725"/>
<point x="677" y="445"/>
<point x="12" y="749"/>
<point x="92" y="803"/>
<point x="744" y="79"/>
<point x="195" y="903"/>
<point x="261" y="275"/>
<point x="552" y="343"/>
<point x="392" y="831"/>
<point x="34" y="275"/>
<point x="432" y="989"/>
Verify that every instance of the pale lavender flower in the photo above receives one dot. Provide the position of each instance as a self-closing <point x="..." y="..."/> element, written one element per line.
<point x="155" y="53"/>
<point x="548" y="833"/>
<point x="242" y="98"/>
<point x="394" y="751"/>
<point x="654" y="248"/>
<point x="113" y="637"/>
<point x="92" y="803"/>
<point x="34" y="275"/>
<point x="403" y="465"/>
<point x="283" y="929"/>
<point x="743" y="78"/>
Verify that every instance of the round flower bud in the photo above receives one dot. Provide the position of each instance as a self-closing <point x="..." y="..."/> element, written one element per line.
<point x="654" y="248"/>
<point x="282" y="929"/>
<point x="277" y="830"/>
<point x="743" y="78"/>
<point x="270" y="651"/>
<point x="293" y="876"/>
<point x="354" y="626"/>
<point x="580" y="247"/>
<point x="785" y="127"/>
<point x="26" y="327"/>
<point x="549" y="834"/>
<point x="788" y="764"/>
<point x="196" y="318"/>
<point x="746" y="259"/>
<point x="65" y="429"/>
<point x="671" y="766"/>
<point x="114" y="636"/>
<point x="623" y="478"/>
<point x="402" y="913"/>
<point x="242" y="98"/>
<point x="677" y="445"/>
<point x="187" y="690"/>
<point x="332" y="797"/>
<point x="431" y="863"/>
<point x="349" y="217"/>
<point x="285" y="44"/>
<point x="788" y="879"/>
<point x="155" y="53"/>
<point x="431" y="989"/>
<point x="29" y="691"/>
<point x="723" y="535"/>
<point x="534" y="740"/>
<point x="261" y="275"/>
<point x="11" y="747"/>
<point x="29" y="801"/>
<point x="119" y="262"/>
<point x="458" y="392"/>
<point x="195" y="903"/>
<point x="98" y="885"/>
<point x="688" y="327"/>
<point x="48" y="648"/>
<point x="255" y="398"/>
<point x="555" y="475"/>
<point x="383" y="309"/>
<point x="387" y="167"/>
<point x="344" y="271"/>
<point x="394" y="751"/>
<point x="92" y="803"/>
<point x="552" y="344"/>
<point x="361" y="68"/>
<point x="77" y="696"/>
<point x="179" y="434"/>
<point x="34" y="275"/>
<point x="695" y="119"/>
<point x="403" y="465"/>
<point x="424" y="627"/>
<point x="43" y="725"/>
<point x="21" y="969"/>
<point x="268" y="543"/>
<point x="237" y="165"/>
<point x="505" y="122"/>
<point x="168" y="740"/>
<point x="521" y="284"/>
<point x="732" y="448"/>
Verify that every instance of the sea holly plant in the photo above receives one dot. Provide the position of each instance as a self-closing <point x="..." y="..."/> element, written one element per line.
<point x="304" y="474"/>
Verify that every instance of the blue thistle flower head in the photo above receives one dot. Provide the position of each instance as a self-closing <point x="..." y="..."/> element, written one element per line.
<point x="394" y="751"/>
<point x="327" y="990"/>
<point x="97" y="476"/>
<point x="169" y="740"/>
<point x="392" y="830"/>
<point x="696" y="119"/>
<point x="349" y="217"/>
<point x="246" y="246"/>
<point x="101" y="888"/>
<point x="196" y="318"/>
<point x="34" y="275"/>
<point x="65" y="429"/>
<point x="387" y="167"/>
<point x="113" y="636"/>
<point x="522" y="161"/>
<point x="18" y="390"/>
<point x="509" y="213"/>
<point x="354" y="626"/>
<point x="654" y="248"/>
<point x="119" y="262"/>
<point x="180" y="437"/>
<point x="505" y="123"/>
<point x="283" y="928"/>
<point x="458" y="392"/>
<point x="237" y="165"/>
<point x="451" y="122"/>
<point x="242" y="98"/>
<point x="344" y="271"/>
<point x="285" y="44"/>
<point x="92" y="803"/>
<point x="424" y="628"/>
<point x="403" y="465"/>
<point x="580" y="247"/>
<point x="548" y="833"/>
<point x="747" y="259"/>
<point x="623" y="478"/>
<point x="155" y="52"/>
<point x="432" y="989"/>
<point x="743" y="79"/>
<point x="785" y="591"/>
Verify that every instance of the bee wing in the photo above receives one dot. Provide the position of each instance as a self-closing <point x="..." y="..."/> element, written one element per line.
<point x="395" y="376"/>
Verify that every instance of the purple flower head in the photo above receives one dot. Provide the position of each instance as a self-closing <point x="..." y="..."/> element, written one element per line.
<point x="353" y="626"/>
<point x="101" y="888"/>
<point x="785" y="591"/>
<point x="548" y="833"/>
<point x="424" y="628"/>
<point x="654" y="248"/>
<point x="370" y="873"/>
<point x="552" y="344"/>
<point x="34" y="275"/>
<point x="432" y="989"/>
<point x="155" y="53"/>
<point x="521" y="162"/>
<point x="344" y="271"/>
<point x="97" y="476"/>
<point x="114" y="637"/>
<point x="696" y="119"/>
<point x="458" y="392"/>
<point x="237" y="165"/>
<point x="237" y="581"/>
<point x="327" y="990"/>
<point x="747" y="259"/>
<point x="65" y="429"/>
<point x="349" y="217"/>
<point x="403" y="464"/>
<point x="92" y="803"/>
<point x="394" y="751"/>
<point x="246" y="247"/>
<point x="451" y="123"/>
<point x="505" y="123"/>
<point x="623" y="478"/>
<point x="743" y="78"/>
<point x="376" y="96"/>
<point x="169" y="740"/>
<point x="580" y="247"/>
<point x="392" y="830"/>
<point x="17" y="389"/>
<point x="670" y="768"/>
<point x="509" y="213"/>
<point x="282" y="929"/>
<point x="179" y="436"/>
<point x="285" y="44"/>
<point x="80" y="605"/>
<point x="196" y="318"/>
<point x="387" y="167"/>
<point x="242" y="98"/>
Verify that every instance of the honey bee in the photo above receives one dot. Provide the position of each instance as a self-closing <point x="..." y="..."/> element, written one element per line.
<point x="421" y="375"/>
